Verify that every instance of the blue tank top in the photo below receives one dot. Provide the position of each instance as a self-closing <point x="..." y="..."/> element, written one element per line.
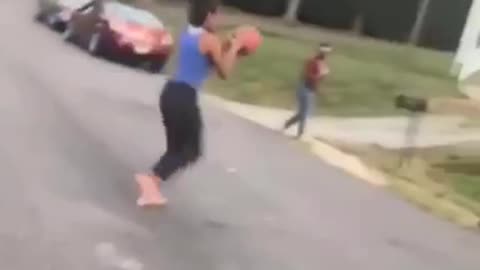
<point x="193" y="67"/>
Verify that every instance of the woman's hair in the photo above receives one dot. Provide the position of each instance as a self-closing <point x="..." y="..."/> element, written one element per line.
<point x="200" y="9"/>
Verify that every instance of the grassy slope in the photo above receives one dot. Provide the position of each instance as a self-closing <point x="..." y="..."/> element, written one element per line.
<point x="451" y="172"/>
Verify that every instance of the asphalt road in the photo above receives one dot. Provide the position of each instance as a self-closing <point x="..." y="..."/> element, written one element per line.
<point x="74" y="131"/>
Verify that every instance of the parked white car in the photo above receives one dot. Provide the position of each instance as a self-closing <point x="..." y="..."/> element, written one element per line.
<point x="57" y="13"/>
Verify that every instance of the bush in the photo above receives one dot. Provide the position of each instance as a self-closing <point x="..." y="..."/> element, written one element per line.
<point x="263" y="7"/>
<point x="444" y="24"/>
<point x="384" y="19"/>
<point x="329" y="13"/>
<point x="391" y="20"/>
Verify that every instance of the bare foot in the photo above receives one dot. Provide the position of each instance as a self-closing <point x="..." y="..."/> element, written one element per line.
<point x="150" y="194"/>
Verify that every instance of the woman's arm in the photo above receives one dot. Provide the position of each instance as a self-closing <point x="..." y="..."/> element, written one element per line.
<point x="223" y="59"/>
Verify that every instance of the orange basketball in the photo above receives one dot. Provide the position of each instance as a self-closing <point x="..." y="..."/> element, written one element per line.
<point x="250" y="37"/>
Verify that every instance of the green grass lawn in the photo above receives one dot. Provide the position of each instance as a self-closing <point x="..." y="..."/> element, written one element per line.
<point x="364" y="79"/>
<point x="366" y="73"/>
<point x="461" y="174"/>
<point x="449" y="172"/>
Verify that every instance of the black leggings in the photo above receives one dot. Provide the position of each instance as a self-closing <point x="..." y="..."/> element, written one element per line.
<point x="183" y="126"/>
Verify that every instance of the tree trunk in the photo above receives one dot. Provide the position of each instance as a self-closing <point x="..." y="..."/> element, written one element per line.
<point x="419" y="22"/>
<point x="358" y="22"/>
<point x="291" y="14"/>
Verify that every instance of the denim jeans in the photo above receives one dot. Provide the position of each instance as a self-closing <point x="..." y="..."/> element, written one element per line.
<point x="305" y="99"/>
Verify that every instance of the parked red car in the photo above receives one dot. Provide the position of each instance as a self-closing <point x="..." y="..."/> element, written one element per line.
<point x="113" y="29"/>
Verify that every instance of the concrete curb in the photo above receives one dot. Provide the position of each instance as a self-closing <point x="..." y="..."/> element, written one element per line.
<point x="349" y="163"/>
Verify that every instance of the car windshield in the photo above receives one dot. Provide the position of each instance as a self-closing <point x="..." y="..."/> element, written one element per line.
<point x="131" y="14"/>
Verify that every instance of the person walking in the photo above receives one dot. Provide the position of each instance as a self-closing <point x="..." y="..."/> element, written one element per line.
<point x="314" y="71"/>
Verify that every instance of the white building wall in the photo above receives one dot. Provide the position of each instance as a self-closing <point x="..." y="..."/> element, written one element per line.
<point x="467" y="59"/>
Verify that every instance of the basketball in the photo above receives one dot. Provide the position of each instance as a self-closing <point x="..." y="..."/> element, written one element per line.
<point x="250" y="37"/>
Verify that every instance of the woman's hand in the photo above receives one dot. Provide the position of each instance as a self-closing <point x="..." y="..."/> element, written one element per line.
<point x="232" y="43"/>
<point x="324" y="69"/>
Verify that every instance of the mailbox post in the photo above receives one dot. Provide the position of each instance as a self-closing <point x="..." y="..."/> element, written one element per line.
<point x="416" y="107"/>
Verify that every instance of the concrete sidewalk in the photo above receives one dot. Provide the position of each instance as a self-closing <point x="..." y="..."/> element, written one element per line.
<point x="388" y="132"/>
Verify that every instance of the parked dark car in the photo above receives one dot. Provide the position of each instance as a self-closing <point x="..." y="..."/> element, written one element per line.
<point x="57" y="13"/>
<point x="113" y="29"/>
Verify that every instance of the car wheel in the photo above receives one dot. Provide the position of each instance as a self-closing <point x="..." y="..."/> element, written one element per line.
<point x="156" y="67"/>
<point x="38" y="17"/>
<point x="68" y="33"/>
<point x="94" y="44"/>
<point x="51" y="20"/>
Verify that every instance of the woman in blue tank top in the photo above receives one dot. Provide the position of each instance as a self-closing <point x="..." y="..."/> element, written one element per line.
<point x="200" y="52"/>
